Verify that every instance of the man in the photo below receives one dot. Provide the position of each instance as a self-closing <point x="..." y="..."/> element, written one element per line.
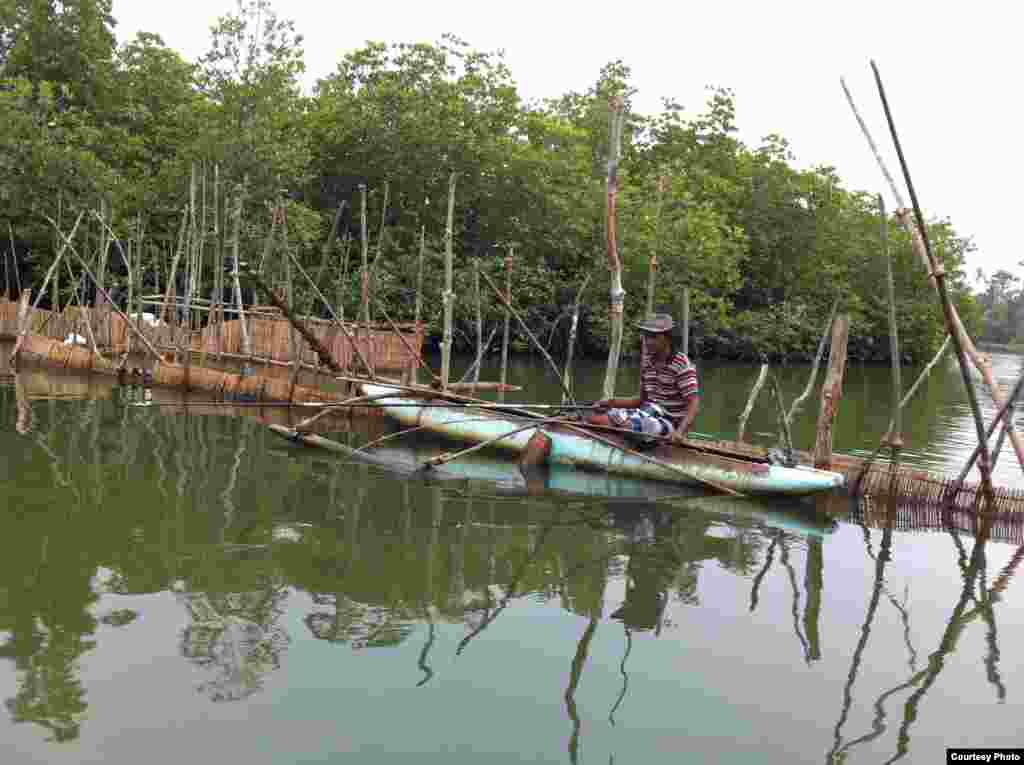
<point x="669" y="392"/>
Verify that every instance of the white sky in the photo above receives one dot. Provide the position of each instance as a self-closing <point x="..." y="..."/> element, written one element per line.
<point x="951" y="72"/>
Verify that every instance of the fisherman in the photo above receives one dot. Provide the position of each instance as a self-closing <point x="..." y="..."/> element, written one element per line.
<point x="669" y="392"/>
<point x="669" y="395"/>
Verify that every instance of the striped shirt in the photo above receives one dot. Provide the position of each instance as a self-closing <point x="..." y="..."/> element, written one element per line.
<point x="670" y="385"/>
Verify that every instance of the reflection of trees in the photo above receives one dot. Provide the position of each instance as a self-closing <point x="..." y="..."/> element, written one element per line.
<point x="235" y="635"/>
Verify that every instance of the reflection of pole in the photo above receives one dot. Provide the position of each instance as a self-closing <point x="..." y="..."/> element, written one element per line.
<point x="865" y="631"/>
<point x="435" y="527"/>
<point x="813" y="579"/>
<point x="578" y="661"/>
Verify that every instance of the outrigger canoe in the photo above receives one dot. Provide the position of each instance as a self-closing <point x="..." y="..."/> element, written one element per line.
<point x="681" y="465"/>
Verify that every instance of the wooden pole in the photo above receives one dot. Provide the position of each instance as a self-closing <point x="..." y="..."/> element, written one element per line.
<point x="479" y="323"/>
<point x="948" y="311"/>
<point x="617" y="293"/>
<point x="508" y="318"/>
<point x="325" y="355"/>
<point x="236" y="272"/>
<point x="103" y="292"/>
<point x="982" y="362"/>
<point x="419" y="296"/>
<point x="567" y="379"/>
<point x="894" y="438"/>
<point x="795" y="407"/>
<point x="652" y="265"/>
<point x="526" y="329"/>
<point x="831" y="391"/>
<point x="365" y="277"/>
<point x="686" y="321"/>
<point x="758" y="384"/>
<point x="448" y="297"/>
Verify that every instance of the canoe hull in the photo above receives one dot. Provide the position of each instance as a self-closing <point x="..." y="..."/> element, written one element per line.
<point x="678" y="465"/>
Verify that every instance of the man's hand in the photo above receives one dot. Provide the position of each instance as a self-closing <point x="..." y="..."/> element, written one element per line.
<point x="679" y="436"/>
<point x="602" y="405"/>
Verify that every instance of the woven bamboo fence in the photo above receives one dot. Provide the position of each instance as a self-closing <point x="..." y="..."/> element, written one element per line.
<point x="270" y="336"/>
<point x="108" y="328"/>
<point x="218" y="383"/>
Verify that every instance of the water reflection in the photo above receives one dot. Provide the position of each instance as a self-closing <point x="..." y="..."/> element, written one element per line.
<point x="267" y="550"/>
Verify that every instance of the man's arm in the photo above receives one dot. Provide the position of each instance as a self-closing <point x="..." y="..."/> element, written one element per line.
<point x="692" y="407"/>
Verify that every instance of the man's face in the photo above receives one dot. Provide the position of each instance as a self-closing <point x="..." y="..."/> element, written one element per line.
<point x="655" y="343"/>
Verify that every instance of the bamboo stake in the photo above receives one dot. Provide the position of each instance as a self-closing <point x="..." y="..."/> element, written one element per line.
<point x="508" y="319"/>
<point x="448" y="297"/>
<point x="894" y="437"/>
<point x="981" y="361"/>
<point x="617" y="293"/>
<point x="795" y="407"/>
<point x="14" y="258"/>
<point x="479" y="324"/>
<point x="940" y="285"/>
<point x="1006" y="408"/>
<point x="475" y="367"/>
<point x="174" y="265"/>
<point x="235" y="271"/>
<point x="344" y="329"/>
<point x="365" y="282"/>
<point x="831" y="391"/>
<point x="526" y="329"/>
<point x="567" y="378"/>
<point x="419" y="294"/>
<point x="652" y="264"/>
<point x="686" y="321"/>
<point x="415" y="353"/>
<point x="103" y="292"/>
<point x="325" y="355"/>
<point x="85" y="313"/>
<point x="23" y="318"/>
<point x="758" y="384"/>
<point x="374" y="275"/>
<point x="783" y="422"/>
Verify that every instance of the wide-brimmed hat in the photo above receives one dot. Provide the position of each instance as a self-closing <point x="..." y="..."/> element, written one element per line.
<point x="656" y="323"/>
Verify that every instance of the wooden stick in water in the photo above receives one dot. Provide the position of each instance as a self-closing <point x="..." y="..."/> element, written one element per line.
<point x="948" y="311"/>
<point x="758" y="384"/>
<point x="526" y="329"/>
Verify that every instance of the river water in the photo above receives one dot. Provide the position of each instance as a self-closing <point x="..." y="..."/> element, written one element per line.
<point x="178" y="585"/>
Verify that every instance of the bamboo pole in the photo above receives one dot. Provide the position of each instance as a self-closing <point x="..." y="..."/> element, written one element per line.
<point x="365" y="278"/>
<point x="787" y="436"/>
<point x="103" y="292"/>
<point x="758" y="384"/>
<point x="475" y="366"/>
<point x="831" y="391"/>
<point x="536" y="342"/>
<point x="508" y="318"/>
<point x="374" y="275"/>
<point x="14" y="258"/>
<point x="172" y="278"/>
<point x="235" y="271"/>
<point x="479" y="324"/>
<point x="419" y="296"/>
<point x="344" y="329"/>
<point x="686" y="321"/>
<point x="652" y="264"/>
<point x="442" y="459"/>
<point x="23" y="313"/>
<point x="617" y="293"/>
<point x="981" y="361"/>
<point x="795" y="407"/>
<point x="894" y="438"/>
<point x="939" y="273"/>
<point x="567" y="378"/>
<point x="23" y="316"/>
<point x="448" y="297"/>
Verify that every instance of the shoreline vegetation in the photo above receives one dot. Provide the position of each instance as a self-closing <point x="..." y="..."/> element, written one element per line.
<point x="187" y="171"/>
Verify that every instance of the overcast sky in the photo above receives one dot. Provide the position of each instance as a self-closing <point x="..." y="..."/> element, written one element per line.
<point x="951" y="73"/>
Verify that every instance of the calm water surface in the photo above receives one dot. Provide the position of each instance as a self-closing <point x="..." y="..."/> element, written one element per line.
<point x="180" y="586"/>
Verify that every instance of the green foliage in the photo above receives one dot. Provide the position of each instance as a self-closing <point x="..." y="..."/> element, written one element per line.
<point x="764" y="248"/>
